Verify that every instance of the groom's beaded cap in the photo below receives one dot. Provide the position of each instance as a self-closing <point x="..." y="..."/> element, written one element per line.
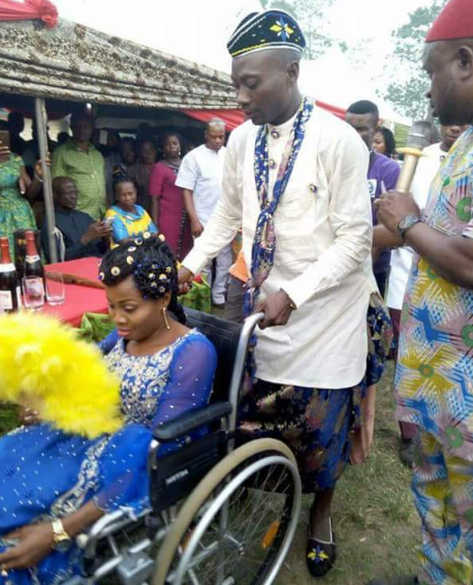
<point x="272" y="29"/>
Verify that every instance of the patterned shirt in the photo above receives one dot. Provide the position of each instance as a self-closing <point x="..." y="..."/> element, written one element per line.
<point x="434" y="378"/>
<point x="126" y="224"/>
<point x="87" y="168"/>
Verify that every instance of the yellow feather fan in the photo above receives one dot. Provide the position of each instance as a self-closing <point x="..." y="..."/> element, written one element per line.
<point x="43" y="365"/>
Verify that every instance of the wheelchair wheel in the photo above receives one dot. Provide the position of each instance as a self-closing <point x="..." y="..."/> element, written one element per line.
<point x="237" y="526"/>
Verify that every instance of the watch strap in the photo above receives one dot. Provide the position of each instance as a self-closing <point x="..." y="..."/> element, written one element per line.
<point x="59" y="533"/>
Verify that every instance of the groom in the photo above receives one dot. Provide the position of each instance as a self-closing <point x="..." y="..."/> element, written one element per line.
<point x="295" y="181"/>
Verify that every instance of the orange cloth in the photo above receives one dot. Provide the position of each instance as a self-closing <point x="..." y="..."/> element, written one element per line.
<point x="239" y="269"/>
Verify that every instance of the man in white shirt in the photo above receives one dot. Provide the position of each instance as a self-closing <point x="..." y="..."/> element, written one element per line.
<point x="200" y="178"/>
<point x="401" y="258"/>
<point x="295" y="181"/>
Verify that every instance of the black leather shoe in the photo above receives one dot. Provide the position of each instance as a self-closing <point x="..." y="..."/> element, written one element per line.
<point x="321" y="555"/>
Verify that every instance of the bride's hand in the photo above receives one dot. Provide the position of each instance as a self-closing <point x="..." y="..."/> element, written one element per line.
<point x="34" y="543"/>
<point x="28" y="416"/>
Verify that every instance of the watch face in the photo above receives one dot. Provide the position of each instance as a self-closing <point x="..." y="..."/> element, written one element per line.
<point x="404" y="222"/>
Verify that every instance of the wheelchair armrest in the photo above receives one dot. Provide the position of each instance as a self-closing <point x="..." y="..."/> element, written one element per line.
<point x="191" y="421"/>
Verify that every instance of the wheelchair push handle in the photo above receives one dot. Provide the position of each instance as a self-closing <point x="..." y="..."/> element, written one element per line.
<point x="253" y="320"/>
<point x="247" y="331"/>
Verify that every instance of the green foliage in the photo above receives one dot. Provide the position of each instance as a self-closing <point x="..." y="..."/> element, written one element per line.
<point x="408" y="90"/>
<point x="309" y="14"/>
<point x="8" y="418"/>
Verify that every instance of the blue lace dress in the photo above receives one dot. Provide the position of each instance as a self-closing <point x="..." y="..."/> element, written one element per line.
<point x="46" y="474"/>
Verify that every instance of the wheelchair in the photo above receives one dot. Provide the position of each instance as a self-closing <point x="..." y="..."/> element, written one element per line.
<point x="224" y="511"/>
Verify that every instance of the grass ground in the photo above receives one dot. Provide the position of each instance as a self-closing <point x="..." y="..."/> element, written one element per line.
<point x="8" y="418"/>
<point x="376" y="525"/>
<point x="375" y="522"/>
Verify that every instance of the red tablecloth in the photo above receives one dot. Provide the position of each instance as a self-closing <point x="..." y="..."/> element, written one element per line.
<point x="79" y="299"/>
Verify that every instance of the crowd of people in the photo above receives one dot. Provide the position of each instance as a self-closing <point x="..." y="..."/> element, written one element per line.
<point x="108" y="188"/>
<point x="331" y="253"/>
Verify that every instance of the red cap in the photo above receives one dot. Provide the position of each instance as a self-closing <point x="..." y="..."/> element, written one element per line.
<point x="454" y="22"/>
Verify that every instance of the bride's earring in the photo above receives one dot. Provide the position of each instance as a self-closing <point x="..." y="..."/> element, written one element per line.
<point x="166" y="319"/>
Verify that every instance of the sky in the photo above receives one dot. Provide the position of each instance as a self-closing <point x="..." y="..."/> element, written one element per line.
<point x="356" y="20"/>
<point x="199" y="31"/>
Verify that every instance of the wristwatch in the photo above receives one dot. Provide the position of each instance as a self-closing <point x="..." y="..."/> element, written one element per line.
<point x="406" y="223"/>
<point x="61" y="539"/>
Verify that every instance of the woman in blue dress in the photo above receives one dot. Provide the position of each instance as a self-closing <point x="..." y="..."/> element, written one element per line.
<point x="48" y="476"/>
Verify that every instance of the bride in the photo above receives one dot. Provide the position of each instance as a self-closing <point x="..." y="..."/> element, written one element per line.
<point x="54" y="483"/>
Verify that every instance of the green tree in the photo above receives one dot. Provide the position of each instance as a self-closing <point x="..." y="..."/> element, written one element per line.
<point x="407" y="91"/>
<point x="309" y="14"/>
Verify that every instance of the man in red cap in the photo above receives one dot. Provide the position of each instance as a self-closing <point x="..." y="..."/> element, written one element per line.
<point x="434" y="376"/>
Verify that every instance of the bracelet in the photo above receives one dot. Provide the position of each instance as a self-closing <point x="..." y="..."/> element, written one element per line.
<point x="38" y="178"/>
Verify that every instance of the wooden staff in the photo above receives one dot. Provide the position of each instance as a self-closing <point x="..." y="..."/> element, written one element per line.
<point x="77" y="280"/>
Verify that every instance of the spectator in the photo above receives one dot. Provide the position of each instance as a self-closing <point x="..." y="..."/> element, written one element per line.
<point x="127" y="219"/>
<point x="16" y="191"/>
<point x="200" y="177"/>
<point x="78" y="159"/>
<point x="77" y="235"/>
<point x="169" y="213"/>
<point x="128" y="151"/>
<point x="16" y="125"/>
<point x="31" y="151"/>
<point x="435" y="361"/>
<point x="384" y="142"/>
<point x="127" y="158"/>
<point x="382" y="174"/>
<point x="401" y="258"/>
<point x="141" y="171"/>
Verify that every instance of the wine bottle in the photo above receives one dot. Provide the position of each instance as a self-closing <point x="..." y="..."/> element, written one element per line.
<point x="33" y="263"/>
<point x="10" y="296"/>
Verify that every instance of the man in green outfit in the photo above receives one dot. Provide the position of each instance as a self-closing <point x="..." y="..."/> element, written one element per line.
<point x="79" y="160"/>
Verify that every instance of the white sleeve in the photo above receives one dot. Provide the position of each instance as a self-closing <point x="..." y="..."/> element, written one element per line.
<point x="188" y="172"/>
<point x="225" y="220"/>
<point x="349" y="216"/>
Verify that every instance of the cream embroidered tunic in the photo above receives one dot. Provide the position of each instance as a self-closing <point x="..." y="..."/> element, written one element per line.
<point x="323" y="234"/>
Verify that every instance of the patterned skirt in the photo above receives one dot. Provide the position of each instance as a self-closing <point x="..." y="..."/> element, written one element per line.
<point x="317" y="424"/>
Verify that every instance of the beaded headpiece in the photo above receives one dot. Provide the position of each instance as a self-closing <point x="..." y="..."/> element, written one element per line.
<point x="152" y="278"/>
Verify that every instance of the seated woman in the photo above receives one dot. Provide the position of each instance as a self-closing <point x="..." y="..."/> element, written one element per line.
<point x="128" y="220"/>
<point x="64" y="482"/>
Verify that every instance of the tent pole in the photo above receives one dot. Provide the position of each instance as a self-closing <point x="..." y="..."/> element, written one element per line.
<point x="42" y="132"/>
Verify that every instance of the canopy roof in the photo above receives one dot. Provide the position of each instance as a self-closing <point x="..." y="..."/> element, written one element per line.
<point x="74" y="62"/>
